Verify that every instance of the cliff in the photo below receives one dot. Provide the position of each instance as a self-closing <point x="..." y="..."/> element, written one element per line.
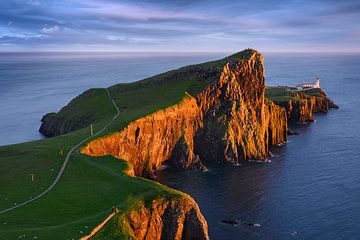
<point x="236" y="118"/>
<point x="147" y="142"/>
<point x="228" y="121"/>
<point x="278" y="123"/>
<point x="175" y="219"/>
<point x="88" y="108"/>
<point x="52" y="126"/>
<point x="300" y="105"/>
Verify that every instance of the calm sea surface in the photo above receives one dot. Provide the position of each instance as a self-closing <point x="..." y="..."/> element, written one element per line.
<point x="309" y="190"/>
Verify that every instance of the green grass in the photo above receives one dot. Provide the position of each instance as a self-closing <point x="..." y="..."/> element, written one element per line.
<point x="43" y="158"/>
<point x="144" y="101"/>
<point x="89" y="186"/>
<point x="84" y="197"/>
<point x="317" y="92"/>
<point x="94" y="99"/>
<point x="280" y="93"/>
<point x="288" y="93"/>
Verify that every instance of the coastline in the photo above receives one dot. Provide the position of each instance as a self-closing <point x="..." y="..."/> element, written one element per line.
<point x="278" y="134"/>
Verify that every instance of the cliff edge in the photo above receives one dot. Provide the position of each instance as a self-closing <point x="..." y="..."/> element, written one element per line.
<point x="300" y="105"/>
<point x="175" y="219"/>
<point x="227" y="121"/>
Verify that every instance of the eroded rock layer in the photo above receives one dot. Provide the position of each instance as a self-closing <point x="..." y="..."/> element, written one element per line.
<point x="176" y="219"/>
<point x="304" y="104"/>
<point x="228" y="121"/>
<point x="278" y="125"/>
<point x="52" y="126"/>
<point x="147" y="142"/>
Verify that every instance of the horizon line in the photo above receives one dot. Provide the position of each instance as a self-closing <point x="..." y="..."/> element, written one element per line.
<point x="173" y="52"/>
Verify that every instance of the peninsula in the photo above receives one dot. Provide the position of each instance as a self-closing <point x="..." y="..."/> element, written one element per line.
<point x="219" y="111"/>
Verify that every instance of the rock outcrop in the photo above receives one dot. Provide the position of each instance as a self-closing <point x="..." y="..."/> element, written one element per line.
<point x="147" y="142"/>
<point x="301" y="108"/>
<point x="175" y="219"/>
<point x="74" y="116"/>
<point x="278" y="124"/>
<point x="236" y="118"/>
<point x="229" y="121"/>
<point x="69" y="119"/>
<point x="52" y="126"/>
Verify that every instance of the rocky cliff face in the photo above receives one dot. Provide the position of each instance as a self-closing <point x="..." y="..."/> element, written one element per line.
<point x="176" y="219"/>
<point x="303" y="106"/>
<point x="229" y="121"/>
<point x="147" y="142"/>
<point x="52" y="126"/>
<point x="278" y="124"/>
<point x="236" y="118"/>
<point x="72" y="117"/>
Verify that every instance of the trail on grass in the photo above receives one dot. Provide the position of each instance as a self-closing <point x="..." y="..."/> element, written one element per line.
<point x="59" y="175"/>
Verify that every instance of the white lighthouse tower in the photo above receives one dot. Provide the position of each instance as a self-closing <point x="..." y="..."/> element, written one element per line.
<point x="317" y="83"/>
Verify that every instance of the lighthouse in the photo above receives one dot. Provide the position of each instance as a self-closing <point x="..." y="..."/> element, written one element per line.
<point x="317" y="83"/>
<point x="304" y="86"/>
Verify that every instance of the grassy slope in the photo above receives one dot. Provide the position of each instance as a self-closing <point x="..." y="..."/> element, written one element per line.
<point x="83" y="198"/>
<point x="92" y="105"/>
<point x="43" y="158"/>
<point x="279" y="94"/>
<point x="317" y="92"/>
<point x="287" y="93"/>
<point x="90" y="186"/>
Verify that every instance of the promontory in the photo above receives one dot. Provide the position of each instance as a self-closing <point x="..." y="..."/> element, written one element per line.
<point x="118" y="138"/>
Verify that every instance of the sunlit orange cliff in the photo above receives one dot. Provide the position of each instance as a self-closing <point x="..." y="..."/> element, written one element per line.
<point x="229" y="121"/>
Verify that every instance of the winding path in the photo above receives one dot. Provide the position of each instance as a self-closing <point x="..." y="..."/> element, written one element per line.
<point x="59" y="175"/>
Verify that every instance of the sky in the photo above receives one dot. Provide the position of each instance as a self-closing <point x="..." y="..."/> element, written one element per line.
<point x="180" y="26"/>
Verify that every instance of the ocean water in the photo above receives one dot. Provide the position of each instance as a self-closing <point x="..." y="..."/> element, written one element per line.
<point x="309" y="190"/>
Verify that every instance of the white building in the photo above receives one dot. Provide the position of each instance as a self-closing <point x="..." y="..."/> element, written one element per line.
<point x="304" y="86"/>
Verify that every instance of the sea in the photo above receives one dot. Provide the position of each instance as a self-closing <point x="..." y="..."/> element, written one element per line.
<point x="308" y="189"/>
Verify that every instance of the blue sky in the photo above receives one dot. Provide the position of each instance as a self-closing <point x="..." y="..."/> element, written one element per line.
<point x="175" y="26"/>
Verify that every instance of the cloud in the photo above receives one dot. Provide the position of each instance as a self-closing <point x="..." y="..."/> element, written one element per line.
<point x="204" y="25"/>
<point x="50" y="30"/>
<point x="14" y="38"/>
<point x="115" y="38"/>
<point x="342" y="8"/>
<point x="140" y="13"/>
<point x="33" y="3"/>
